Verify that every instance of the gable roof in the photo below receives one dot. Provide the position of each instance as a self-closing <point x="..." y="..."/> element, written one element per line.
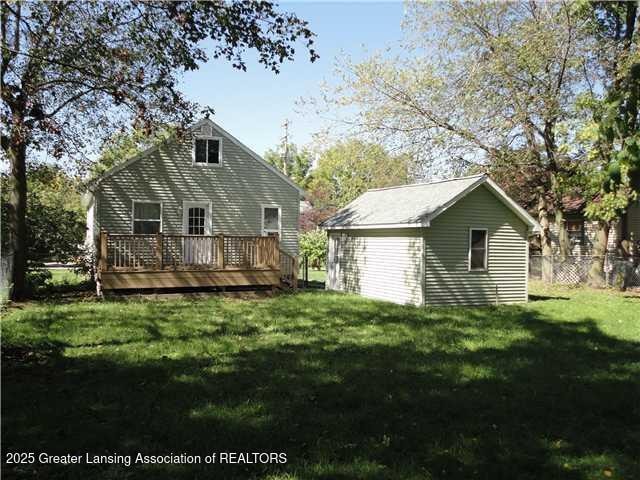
<point x="415" y="205"/>
<point x="205" y="121"/>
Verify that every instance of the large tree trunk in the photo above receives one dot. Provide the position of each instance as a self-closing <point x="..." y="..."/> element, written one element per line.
<point x="545" y="239"/>
<point x="563" y="236"/>
<point x="596" y="271"/>
<point x="16" y="218"/>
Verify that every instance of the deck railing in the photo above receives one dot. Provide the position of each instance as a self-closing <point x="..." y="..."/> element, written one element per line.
<point x="152" y="252"/>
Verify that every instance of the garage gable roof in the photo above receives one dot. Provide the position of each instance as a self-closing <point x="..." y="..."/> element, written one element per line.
<point x="415" y="205"/>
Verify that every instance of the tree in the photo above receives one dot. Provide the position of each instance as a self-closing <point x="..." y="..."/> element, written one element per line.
<point x="298" y="163"/>
<point x="315" y="214"/>
<point x="494" y="84"/>
<point x="74" y="72"/>
<point x="55" y="216"/>
<point x="313" y="245"/>
<point x="350" y="168"/>
<point x="613" y="132"/>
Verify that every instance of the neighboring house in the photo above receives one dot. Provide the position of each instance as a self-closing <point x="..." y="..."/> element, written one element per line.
<point x="191" y="191"/>
<point x="455" y="242"/>
<point x="581" y="231"/>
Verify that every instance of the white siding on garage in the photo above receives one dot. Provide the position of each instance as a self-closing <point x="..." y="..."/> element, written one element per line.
<point x="381" y="264"/>
<point x="448" y="279"/>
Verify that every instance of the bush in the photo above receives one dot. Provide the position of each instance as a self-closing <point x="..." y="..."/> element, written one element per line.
<point x="37" y="279"/>
<point x="313" y="245"/>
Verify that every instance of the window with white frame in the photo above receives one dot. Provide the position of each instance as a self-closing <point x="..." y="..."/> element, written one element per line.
<point x="196" y="217"/>
<point x="270" y="220"/>
<point x="478" y="244"/>
<point x="207" y="151"/>
<point x="147" y="217"/>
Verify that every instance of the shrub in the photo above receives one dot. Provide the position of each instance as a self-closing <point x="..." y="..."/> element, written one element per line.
<point x="313" y="245"/>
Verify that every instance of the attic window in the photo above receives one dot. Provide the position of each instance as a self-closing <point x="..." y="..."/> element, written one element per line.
<point x="478" y="249"/>
<point x="207" y="151"/>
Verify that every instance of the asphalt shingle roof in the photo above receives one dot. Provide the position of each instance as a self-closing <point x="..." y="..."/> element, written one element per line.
<point x="408" y="204"/>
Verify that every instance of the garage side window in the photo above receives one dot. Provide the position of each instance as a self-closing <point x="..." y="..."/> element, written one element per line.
<point x="478" y="249"/>
<point x="147" y="217"/>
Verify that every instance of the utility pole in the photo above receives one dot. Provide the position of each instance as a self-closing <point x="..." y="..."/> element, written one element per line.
<point x="285" y="160"/>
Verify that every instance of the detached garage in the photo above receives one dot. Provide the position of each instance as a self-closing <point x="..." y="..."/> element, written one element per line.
<point x="455" y="242"/>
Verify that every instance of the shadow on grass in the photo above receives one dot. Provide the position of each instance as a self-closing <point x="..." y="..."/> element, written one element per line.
<point x="542" y="298"/>
<point x="559" y="401"/>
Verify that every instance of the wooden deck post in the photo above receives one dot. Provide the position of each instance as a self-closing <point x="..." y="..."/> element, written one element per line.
<point x="294" y="274"/>
<point x="220" y="254"/>
<point x="276" y="252"/>
<point x="102" y="261"/>
<point x="159" y="251"/>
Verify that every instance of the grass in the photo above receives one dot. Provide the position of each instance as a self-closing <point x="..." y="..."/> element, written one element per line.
<point x="66" y="276"/>
<point x="346" y="387"/>
<point x="316" y="277"/>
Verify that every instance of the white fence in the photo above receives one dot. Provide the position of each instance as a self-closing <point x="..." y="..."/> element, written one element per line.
<point x="574" y="269"/>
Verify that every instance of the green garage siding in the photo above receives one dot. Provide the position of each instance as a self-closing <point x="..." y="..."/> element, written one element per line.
<point x="236" y="191"/>
<point x="447" y="279"/>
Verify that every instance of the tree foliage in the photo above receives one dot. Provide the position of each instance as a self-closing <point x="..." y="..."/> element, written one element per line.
<point x="297" y="165"/>
<point x="611" y="131"/>
<point x="493" y="77"/>
<point x="313" y="245"/>
<point x="350" y="168"/>
<point x="55" y="216"/>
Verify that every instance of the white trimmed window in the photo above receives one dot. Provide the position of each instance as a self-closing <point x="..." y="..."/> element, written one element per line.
<point x="207" y="151"/>
<point x="271" y="219"/>
<point x="147" y="217"/>
<point x="478" y="249"/>
<point x="196" y="217"/>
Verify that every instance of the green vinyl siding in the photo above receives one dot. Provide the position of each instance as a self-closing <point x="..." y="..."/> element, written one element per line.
<point x="236" y="191"/>
<point x="448" y="280"/>
<point x="381" y="264"/>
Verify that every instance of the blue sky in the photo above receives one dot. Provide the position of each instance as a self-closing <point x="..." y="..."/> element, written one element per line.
<point x="253" y="105"/>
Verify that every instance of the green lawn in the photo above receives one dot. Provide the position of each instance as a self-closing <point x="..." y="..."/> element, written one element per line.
<point x="316" y="277"/>
<point x="346" y="387"/>
<point x="65" y="276"/>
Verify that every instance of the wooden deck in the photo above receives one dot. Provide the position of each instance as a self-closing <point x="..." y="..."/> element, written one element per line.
<point x="156" y="261"/>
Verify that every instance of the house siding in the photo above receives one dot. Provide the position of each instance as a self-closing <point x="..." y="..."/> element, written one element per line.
<point x="448" y="281"/>
<point x="384" y="264"/>
<point x="590" y="229"/>
<point x="236" y="191"/>
<point x="633" y="222"/>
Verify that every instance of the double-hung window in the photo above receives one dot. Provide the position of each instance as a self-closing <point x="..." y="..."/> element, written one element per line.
<point x="147" y="217"/>
<point x="270" y="220"/>
<point x="575" y="231"/>
<point x="207" y="151"/>
<point x="478" y="249"/>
